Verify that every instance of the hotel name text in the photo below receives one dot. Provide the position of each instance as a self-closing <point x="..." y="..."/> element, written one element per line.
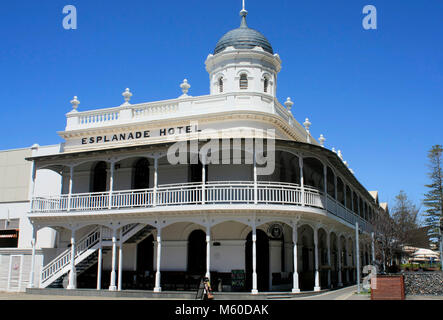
<point x="136" y="135"/>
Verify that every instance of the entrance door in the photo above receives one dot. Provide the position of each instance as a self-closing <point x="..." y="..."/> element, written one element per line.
<point x="197" y="253"/>
<point x="262" y="259"/>
<point x="145" y="263"/>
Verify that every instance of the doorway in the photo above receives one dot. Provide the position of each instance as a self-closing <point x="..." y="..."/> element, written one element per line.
<point x="262" y="261"/>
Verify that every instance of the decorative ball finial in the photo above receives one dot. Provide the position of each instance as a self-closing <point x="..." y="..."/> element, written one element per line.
<point x="185" y="87"/>
<point x="127" y="95"/>
<point x="340" y="154"/>
<point x="333" y="150"/>
<point x="75" y="103"/>
<point x="244" y="12"/>
<point x="289" y="104"/>
<point x="307" y="124"/>
<point x="322" y="140"/>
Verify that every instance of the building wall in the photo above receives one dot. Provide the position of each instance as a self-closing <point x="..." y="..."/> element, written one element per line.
<point x="14" y="175"/>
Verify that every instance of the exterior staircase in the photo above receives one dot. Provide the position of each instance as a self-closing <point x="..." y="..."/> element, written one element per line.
<point x="86" y="254"/>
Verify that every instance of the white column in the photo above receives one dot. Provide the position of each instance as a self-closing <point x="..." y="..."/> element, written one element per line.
<point x="100" y="261"/>
<point x="120" y="262"/>
<point x="203" y="180"/>
<point x="112" y="286"/>
<point x="72" y="284"/>
<point x="71" y="177"/>
<point x="32" y="273"/>
<point x="159" y="254"/>
<point x="295" y="286"/>
<point x="99" y="268"/>
<point x="255" y="179"/>
<point x="111" y="185"/>
<point x="254" y="260"/>
<point x="32" y="186"/>
<point x="208" y="252"/>
<point x="325" y="182"/>
<point x="155" y="181"/>
<point x="328" y="243"/>
<point x="340" y="280"/>
<point x="317" y="273"/>
<point x="302" y="182"/>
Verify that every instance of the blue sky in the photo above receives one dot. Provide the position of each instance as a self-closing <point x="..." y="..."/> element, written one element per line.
<point x="376" y="95"/>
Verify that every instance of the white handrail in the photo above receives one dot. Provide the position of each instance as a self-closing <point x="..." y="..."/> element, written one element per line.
<point x="215" y="192"/>
<point x="64" y="258"/>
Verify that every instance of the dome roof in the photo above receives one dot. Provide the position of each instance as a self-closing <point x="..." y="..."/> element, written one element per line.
<point x="243" y="38"/>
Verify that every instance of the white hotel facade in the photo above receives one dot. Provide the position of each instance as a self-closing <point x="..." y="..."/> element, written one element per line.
<point x="108" y="210"/>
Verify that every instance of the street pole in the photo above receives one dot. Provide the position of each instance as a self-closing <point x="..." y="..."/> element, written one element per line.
<point x="357" y="256"/>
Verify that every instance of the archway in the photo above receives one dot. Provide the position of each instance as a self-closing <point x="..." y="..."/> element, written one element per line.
<point x="306" y="272"/>
<point x="197" y="253"/>
<point x="145" y="263"/>
<point x="99" y="177"/>
<point x="141" y="174"/>
<point x="262" y="259"/>
<point x="334" y="260"/>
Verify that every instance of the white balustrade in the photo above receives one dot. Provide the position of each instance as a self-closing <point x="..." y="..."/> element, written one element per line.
<point x="64" y="258"/>
<point x="98" y="117"/>
<point x="238" y="192"/>
<point x="146" y="110"/>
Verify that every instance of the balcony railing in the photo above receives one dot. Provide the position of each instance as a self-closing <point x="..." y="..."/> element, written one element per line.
<point x="216" y="193"/>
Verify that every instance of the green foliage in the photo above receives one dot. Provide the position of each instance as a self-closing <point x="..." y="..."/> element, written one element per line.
<point x="434" y="197"/>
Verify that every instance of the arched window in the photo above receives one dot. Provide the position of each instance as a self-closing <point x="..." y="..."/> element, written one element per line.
<point x="220" y="85"/>
<point x="355" y="203"/>
<point x="197" y="252"/>
<point x="331" y="183"/>
<point x="243" y="81"/>
<point x="348" y="198"/>
<point x="265" y="85"/>
<point x="141" y="174"/>
<point x="340" y="191"/>
<point x="313" y="173"/>
<point x="195" y="172"/>
<point x="99" y="176"/>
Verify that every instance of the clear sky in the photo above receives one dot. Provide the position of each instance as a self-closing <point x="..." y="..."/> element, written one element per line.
<point x="375" y="94"/>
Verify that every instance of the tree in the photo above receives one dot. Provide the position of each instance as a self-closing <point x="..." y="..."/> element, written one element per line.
<point x="396" y="230"/>
<point x="434" y="197"/>
<point x="386" y="243"/>
<point x="405" y="215"/>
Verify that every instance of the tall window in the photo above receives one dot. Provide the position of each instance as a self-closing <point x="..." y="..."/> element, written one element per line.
<point x="244" y="81"/>
<point x="141" y="174"/>
<point x="99" y="177"/>
<point x="220" y="85"/>
<point x="266" y="85"/>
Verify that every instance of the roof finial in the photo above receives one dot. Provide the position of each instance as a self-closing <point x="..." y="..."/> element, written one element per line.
<point x="243" y="14"/>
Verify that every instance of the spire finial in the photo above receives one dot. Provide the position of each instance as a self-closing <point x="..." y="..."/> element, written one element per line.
<point x="243" y="14"/>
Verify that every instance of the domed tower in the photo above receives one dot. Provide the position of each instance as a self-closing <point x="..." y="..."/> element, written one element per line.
<point x="243" y="61"/>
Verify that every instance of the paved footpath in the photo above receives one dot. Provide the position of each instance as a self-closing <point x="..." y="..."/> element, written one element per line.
<point x="348" y="293"/>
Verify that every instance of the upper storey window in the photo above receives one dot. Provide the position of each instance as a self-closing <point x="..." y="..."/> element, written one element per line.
<point x="243" y="81"/>
<point x="265" y="85"/>
<point x="220" y="85"/>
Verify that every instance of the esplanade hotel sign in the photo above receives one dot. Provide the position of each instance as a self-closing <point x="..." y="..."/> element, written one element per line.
<point x="256" y="205"/>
